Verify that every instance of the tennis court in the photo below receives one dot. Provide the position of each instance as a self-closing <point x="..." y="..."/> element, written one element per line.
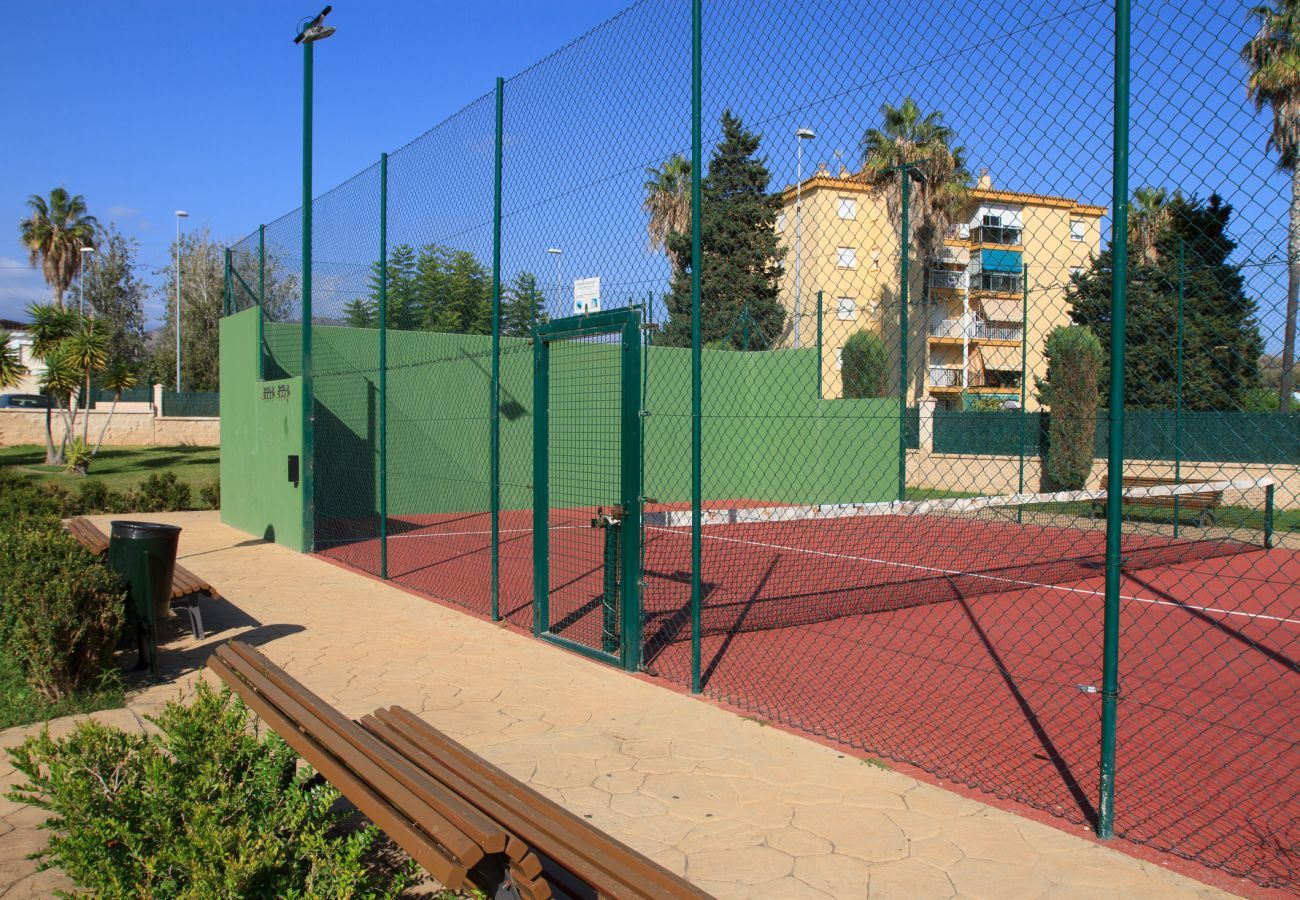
<point x="960" y="640"/>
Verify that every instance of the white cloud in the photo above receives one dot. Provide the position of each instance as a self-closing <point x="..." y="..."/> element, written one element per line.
<point x="122" y="212"/>
<point x="20" y="284"/>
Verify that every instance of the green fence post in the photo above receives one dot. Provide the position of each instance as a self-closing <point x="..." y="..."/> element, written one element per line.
<point x="228" y="290"/>
<point x="820" y="375"/>
<point x="1115" y="446"/>
<point x="261" y="302"/>
<point x="696" y="393"/>
<point x="308" y="404"/>
<point x="383" y="366"/>
<point x="495" y="486"/>
<point x="902" y="337"/>
<point x="1024" y="368"/>
<point x="1178" y="387"/>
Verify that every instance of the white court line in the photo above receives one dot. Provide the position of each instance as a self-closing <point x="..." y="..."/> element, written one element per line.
<point x="1009" y="581"/>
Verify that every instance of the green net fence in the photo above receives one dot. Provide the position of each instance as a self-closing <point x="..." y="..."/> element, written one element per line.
<point x="204" y="404"/>
<point x="896" y="518"/>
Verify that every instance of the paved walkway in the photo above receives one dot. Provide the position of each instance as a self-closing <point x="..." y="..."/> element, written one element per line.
<point x="741" y="809"/>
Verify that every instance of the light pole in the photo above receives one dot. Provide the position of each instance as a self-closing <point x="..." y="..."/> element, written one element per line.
<point x="309" y="32"/>
<point x="559" y="289"/>
<point x="803" y="134"/>
<point x="81" y="280"/>
<point x="180" y="214"/>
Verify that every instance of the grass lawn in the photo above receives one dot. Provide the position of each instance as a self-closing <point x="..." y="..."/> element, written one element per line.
<point x="20" y="704"/>
<point x="120" y="468"/>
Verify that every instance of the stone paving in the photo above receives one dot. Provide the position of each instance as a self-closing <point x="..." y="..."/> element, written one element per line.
<point x="739" y="808"/>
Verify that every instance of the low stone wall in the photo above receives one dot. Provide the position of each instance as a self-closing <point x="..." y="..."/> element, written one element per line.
<point x="131" y="428"/>
<point x="1000" y="474"/>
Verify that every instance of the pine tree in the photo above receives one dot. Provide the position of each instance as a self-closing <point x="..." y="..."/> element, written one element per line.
<point x="405" y="306"/>
<point x="740" y="254"/>
<point x="1221" y="340"/>
<point x="521" y="306"/>
<point x="466" y="305"/>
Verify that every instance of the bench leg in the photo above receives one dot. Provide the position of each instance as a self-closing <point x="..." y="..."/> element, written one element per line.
<point x="196" y="619"/>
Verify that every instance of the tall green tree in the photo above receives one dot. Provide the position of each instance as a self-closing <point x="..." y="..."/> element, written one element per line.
<point x="1071" y="391"/>
<point x="405" y="309"/>
<point x="464" y="303"/>
<point x="50" y="325"/>
<point x="521" y="305"/>
<point x="115" y="297"/>
<point x="87" y="349"/>
<point x="909" y="136"/>
<point x="203" y="272"/>
<point x="740" y="254"/>
<point x="1221" y="340"/>
<point x="54" y="232"/>
<point x="668" y="202"/>
<point x="1273" y="57"/>
<point x="1147" y="215"/>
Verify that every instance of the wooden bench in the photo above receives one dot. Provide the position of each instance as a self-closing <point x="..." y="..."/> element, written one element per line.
<point x="186" y="586"/>
<point x="1207" y="501"/>
<point x="461" y="818"/>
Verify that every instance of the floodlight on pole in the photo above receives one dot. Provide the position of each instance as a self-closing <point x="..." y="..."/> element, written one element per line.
<point x="559" y="287"/>
<point x="81" y="280"/>
<point x="803" y="134"/>
<point x="180" y="214"/>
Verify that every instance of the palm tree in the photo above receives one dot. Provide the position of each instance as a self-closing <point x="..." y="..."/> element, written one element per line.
<point x="1147" y="215"/>
<point x="61" y="381"/>
<point x="117" y="379"/>
<point x="54" y="233"/>
<point x="924" y="143"/>
<point x="50" y="325"/>
<point x="12" y="369"/>
<point x="87" y="349"/>
<point x="668" y="201"/>
<point x="1273" y="56"/>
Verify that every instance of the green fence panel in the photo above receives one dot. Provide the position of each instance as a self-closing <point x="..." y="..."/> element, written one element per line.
<point x="191" y="404"/>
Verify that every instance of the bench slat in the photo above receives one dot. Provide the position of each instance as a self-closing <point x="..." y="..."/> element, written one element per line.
<point x="361" y="755"/>
<point x="595" y="857"/>
<point x="422" y="849"/>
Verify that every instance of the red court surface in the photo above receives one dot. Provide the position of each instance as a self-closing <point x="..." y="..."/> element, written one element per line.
<point x="968" y="648"/>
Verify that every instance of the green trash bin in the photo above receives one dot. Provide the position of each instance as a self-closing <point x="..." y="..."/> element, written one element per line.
<point x="144" y="553"/>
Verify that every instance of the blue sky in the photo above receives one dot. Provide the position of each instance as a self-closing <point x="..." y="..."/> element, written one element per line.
<point x="149" y="106"/>
<point x="180" y="105"/>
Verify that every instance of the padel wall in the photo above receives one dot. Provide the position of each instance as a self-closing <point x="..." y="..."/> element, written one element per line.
<point x="261" y="426"/>
<point x="764" y="425"/>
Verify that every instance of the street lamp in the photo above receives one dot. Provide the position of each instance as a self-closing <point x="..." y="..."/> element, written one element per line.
<point x="180" y="214"/>
<point x="81" y="280"/>
<point x="309" y="32"/>
<point x="559" y="290"/>
<point x="803" y="134"/>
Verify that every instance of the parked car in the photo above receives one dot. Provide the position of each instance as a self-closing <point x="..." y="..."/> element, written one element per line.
<point x="24" y="401"/>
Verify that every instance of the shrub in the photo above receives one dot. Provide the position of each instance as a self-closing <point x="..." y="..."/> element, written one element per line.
<point x="78" y="456"/>
<point x="92" y="496"/>
<point x="62" y="609"/>
<point x="208" y="807"/>
<point x="210" y="494"/>
<point x="988" y="404"/>
<point x="864" y="362"/>
<point x="162" y="492"/>
<point x="1073" y="365"/>
<point x="23" y="499"/>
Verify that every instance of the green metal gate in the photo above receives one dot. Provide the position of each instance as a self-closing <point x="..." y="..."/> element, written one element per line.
<point x="587" y="485"/>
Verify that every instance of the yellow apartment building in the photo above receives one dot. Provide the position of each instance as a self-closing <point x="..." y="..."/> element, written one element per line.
<point x="994" y="292"/>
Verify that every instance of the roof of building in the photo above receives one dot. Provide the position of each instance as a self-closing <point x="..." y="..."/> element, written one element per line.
<point x="858" y="183"/>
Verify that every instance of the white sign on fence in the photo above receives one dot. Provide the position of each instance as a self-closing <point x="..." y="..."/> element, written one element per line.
<point x="586" y="295"/>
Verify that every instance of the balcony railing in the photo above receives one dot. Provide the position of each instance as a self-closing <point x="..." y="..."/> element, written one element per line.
<point x="998" y="282"/>
<point x="944" y="377"/>
<point x="975" y="330"/>
<point x="1002" y="235"/>
<point x="948" y="280"/>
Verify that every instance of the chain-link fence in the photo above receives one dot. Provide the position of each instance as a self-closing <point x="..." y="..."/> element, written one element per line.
<point x="830" y="439"/>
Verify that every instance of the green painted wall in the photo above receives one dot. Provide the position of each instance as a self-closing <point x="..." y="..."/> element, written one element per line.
<point x="261" y="425"/>
<point x="767" y="436"/>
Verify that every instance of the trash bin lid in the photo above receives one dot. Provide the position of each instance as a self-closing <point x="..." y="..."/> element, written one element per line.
<point x="128" y="530"/>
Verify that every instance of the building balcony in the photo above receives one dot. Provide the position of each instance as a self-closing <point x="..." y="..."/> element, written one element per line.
<point x="946" y="280"/>
<point x="996" y="235"/>
<point x="998" y="283"/>
<point x="975" y="330"/>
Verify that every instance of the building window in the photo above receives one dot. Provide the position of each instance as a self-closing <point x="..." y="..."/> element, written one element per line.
<point x="839" y="359"/>
<point x="780" y="222"/>
<point x="1078" y="229"/>
<point x="848" y="208"/>
<point x="846" y="257"/>
<point x="991" y="220"/>
<point x="1076" y="271"/>
<point x="846" y="309"/>
<point x="875" y="259"/>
